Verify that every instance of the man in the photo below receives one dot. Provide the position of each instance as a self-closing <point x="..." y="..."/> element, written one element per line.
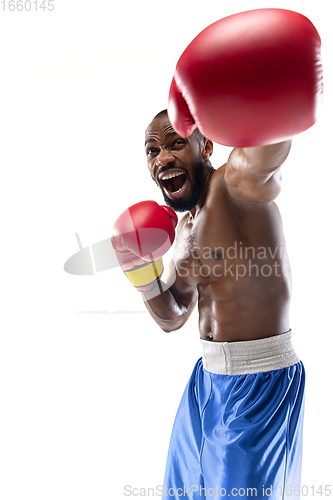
<point x="251" y="80"/>
<point x="238" y="424"/>
<point x="247" y="296"/>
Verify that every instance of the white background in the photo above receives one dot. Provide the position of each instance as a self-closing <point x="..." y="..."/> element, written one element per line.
<point x="88" y="393"/>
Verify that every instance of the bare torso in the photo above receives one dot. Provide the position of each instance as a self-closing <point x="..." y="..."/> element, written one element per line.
<point x="234" y="253"/>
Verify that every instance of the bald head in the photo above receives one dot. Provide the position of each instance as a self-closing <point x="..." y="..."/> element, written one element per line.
<point x="196" y="132"/>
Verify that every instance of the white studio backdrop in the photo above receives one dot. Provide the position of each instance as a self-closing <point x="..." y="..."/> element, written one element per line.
<point x="89" y="386"/>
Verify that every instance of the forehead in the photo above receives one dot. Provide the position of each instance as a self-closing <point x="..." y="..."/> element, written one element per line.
<point x="159" y="129"/>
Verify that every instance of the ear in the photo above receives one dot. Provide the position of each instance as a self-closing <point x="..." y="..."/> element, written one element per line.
<point x="207" y="149"/>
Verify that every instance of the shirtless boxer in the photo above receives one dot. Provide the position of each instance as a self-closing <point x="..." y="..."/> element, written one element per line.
<point x="243" y="297"/>
<point x="238" y="429"/>
<point x="230" y="214"/>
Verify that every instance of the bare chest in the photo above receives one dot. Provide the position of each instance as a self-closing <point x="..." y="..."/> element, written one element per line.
<point x="203" y="245"/>
<point x="222" y="240"/>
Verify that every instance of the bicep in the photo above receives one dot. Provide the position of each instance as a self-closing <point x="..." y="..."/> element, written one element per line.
<point x="245" y="183"/>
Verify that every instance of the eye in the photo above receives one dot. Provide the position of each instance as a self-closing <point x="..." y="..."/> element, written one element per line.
<point x="151" y="151"/>
<point x="178" y="143"/>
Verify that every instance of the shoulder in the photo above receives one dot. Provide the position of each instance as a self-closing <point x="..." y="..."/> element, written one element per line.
<point x="218" y="191"/>
<point x="219" y="196"/>
<point x="183" y="221"/>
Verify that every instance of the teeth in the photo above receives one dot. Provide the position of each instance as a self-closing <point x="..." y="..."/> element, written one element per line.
<point x="179" y="190"/>
<point x="170" y="176"/>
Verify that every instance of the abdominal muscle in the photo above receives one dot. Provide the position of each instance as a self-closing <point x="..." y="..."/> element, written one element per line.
<point x="256" y="307"/>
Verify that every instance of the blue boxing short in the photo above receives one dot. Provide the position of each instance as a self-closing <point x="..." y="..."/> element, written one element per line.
<point x="238" y="429"/>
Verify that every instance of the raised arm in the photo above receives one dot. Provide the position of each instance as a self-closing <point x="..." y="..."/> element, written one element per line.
<point x="254" y="174"/>
<point x="172" y="307"/>
<point x="248" y="80"/>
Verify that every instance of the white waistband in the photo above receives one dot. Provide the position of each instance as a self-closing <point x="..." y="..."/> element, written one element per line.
<point x="249" y="356"/>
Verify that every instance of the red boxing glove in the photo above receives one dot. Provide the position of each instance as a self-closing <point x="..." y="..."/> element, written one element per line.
<point x="250" y="79"/>
<point x="140" y="236"/>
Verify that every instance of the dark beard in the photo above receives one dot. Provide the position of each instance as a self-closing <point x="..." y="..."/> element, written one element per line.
<point x="196" y="186"/>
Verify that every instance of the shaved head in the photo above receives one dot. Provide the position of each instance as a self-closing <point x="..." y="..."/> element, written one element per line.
<point x="164" y="112"/>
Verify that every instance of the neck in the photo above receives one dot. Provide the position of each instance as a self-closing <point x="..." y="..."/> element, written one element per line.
<point x="207" y="173"/>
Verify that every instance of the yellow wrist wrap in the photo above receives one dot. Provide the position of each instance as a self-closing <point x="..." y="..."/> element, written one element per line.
<point x="147" y="273"/>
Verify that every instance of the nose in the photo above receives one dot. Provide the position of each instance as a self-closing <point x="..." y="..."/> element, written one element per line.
<point x="165" y="158"/>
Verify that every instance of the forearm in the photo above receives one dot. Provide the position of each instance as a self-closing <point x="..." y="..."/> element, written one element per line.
<point x="165" y="310"/>
<point x="171" y="303"/>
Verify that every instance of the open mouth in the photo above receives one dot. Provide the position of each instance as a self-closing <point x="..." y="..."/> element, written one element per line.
<point x="173" y="182"/>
